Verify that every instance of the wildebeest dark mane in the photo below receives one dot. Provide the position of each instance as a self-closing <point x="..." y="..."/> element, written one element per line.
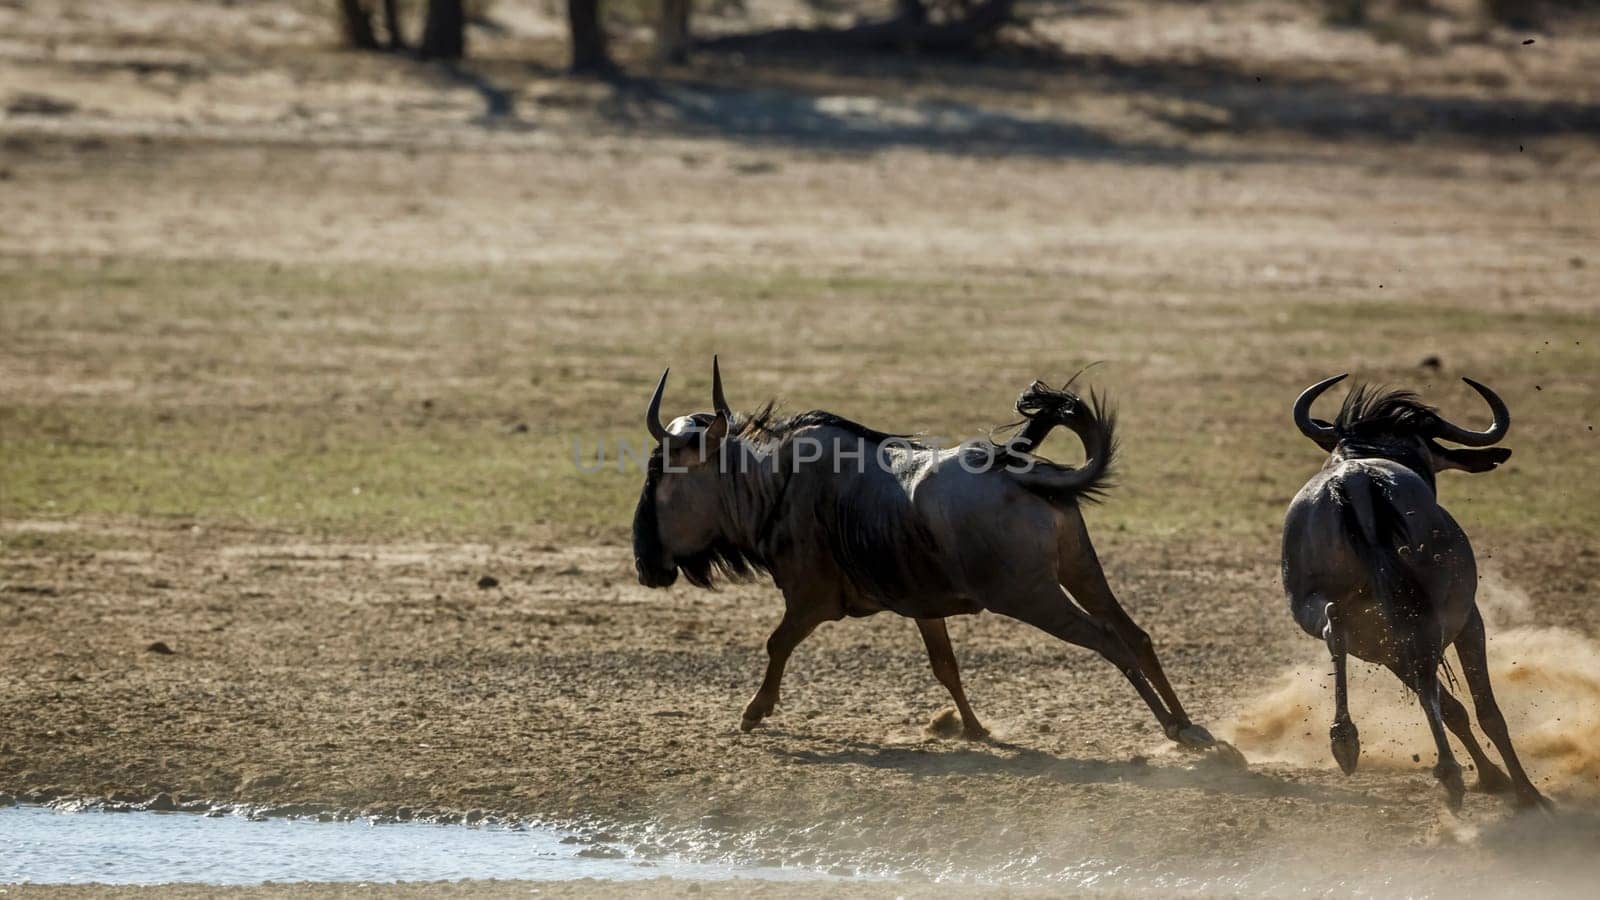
<point x="1372" y="411"/>
<point x="862" y="531"/>
<point x="1377" y="422"/>
<point x="767" y="425"/>
<point x="1042" y="408"/>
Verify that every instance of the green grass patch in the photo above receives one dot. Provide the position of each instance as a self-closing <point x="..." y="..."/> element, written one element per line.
<point x="387" y="402"/>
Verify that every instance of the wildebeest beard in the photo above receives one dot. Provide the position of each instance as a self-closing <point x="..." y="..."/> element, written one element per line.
<point x="721" y="560"/>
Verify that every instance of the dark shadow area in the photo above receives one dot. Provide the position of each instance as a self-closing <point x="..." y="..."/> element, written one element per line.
<point x="826" y="97"/>
<point x="1322" y="107"/>
<point x="499" y="103"/>
<point x="1313" y="104"/>
<point x="915" y="27"/>
<point x="1568" y="829"/>
<point x="1010" y="760"/>
<point x="1341" y="114"/>
<point x="858" y="123"/>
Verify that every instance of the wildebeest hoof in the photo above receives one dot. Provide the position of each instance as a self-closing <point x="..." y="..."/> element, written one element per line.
<point x="1346" y="743"/>
<point x="1454" y="788"/>
<point x="1492" y="781"/>
<point x="1532" y="799"/>
<point x="947" y="723"/>
<point x="1229" y="755"/>
<point x="749" y="724"/>
<point x="1195" y="737"/>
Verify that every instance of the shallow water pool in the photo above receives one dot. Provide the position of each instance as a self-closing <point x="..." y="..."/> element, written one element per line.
<point x="45" y="846"/>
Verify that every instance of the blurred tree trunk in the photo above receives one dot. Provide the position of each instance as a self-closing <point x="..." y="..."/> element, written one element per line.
<point x="357" y="23"/>
<point x="672" y="32"/>
<point x="588" y="37"/>
<point x="391" y="25"/>
<point x="444" y="31"/>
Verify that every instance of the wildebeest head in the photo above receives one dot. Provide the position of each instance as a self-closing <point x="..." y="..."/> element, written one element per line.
<point x="1399" y="426"/>
<point x="678" y="523"/>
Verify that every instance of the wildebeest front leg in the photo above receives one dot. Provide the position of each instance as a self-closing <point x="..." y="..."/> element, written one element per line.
<point x="1447" y="770"/>
<point x="1471" y="647"/>
<point x="799" y="620"/>
<point x="1343" y="736"/>
<point x="943" y="659"/>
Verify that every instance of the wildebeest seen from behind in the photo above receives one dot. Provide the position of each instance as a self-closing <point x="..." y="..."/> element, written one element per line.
<point x="851" y="521"/>
<point x="1374" y="566"/>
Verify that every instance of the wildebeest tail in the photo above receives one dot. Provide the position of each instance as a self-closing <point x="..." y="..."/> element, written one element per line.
<point x="1044" y="408"/>
<point x="1378" y="534"/>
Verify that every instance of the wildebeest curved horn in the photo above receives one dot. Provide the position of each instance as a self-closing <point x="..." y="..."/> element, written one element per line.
<point x="1496" y="432"/>
<point x="718" y="401"/>
<point x="652" y="416"/>
<point x="1317" y="431"/>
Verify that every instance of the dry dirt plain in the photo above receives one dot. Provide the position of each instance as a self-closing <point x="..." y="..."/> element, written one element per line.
<point x="295" y="347"/>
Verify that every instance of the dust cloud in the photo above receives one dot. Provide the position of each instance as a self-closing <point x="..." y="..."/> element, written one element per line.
<point x="1546" y="679"/>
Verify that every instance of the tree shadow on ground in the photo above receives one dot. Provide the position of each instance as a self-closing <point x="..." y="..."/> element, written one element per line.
<point x="864" y="123"/>
<point x="1243" y="100"/>
<point x="499" y="101"/>
<point x="998" y="758"/>
<point x="854" y="102"/>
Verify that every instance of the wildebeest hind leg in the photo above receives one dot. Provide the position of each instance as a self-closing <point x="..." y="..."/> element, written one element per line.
<point x="1080" y="573"/>
<point x="1490" y="779"/>
<point x="943" y="659"/>
<point x="799" y="620"/>
<point x="1471" y="648"/>
<point x="1050" y="611"/>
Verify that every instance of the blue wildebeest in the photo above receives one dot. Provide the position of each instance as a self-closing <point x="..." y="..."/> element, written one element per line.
<point x="851" y="521"/>
<point x="1374" y="566"/>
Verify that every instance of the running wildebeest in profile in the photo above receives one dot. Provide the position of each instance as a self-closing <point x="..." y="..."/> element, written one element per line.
<point x="1374" y="566"/>
<point x="851" y="521"/>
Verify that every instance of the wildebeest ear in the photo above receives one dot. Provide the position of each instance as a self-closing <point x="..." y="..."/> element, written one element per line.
<point x="716" y="431"/>
<point x="1467" y="460"/>
<point x="701" y="444"/>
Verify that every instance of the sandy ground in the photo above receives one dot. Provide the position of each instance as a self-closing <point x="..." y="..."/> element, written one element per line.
<point x="1218" y="208"/>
